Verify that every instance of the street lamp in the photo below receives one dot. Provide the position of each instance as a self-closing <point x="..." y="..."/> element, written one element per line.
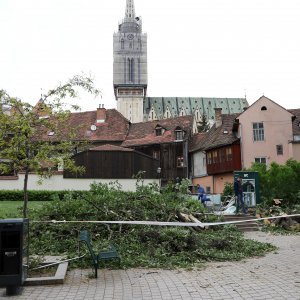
<point x="158" y="175"/>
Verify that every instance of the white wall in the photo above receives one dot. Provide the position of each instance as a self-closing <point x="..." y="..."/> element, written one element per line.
<point x="199" y="165"/>
<point x="58" y="183"/>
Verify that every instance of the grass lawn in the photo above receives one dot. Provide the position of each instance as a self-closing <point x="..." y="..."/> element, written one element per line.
<point x="13" y="209"/>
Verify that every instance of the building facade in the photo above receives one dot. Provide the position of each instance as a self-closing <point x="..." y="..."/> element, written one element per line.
<point x="166" y="140"/>
<point x="130" y="65"/>
<point x="266" y="132"/>
<point x="130" y="80"/>
<point x="215" y="155"/>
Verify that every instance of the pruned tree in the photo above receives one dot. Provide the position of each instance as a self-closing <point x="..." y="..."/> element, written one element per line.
<point x="39" y="138"/>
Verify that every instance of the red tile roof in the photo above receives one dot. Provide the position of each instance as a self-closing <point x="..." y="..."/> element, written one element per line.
<point x="196" y="141"/>
<point x="217" y="137"/>
<point x="145" y="134"/>
<point x="115" y="127"/>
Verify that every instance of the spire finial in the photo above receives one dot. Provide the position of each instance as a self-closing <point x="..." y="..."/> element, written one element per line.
<point x="130" y="12"/>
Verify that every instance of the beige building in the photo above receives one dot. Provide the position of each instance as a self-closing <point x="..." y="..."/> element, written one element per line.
<point x="266" y="133"/>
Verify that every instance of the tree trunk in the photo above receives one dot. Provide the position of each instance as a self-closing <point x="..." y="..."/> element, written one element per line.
<point x="25" y="204"/>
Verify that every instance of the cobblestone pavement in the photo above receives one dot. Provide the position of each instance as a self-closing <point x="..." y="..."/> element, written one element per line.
<point x="275" y="276"/>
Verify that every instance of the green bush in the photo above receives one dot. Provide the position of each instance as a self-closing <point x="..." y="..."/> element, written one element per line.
<point x="279" y="182"/>
<point x="228" y="190"/>
<point x="17" y="195"/>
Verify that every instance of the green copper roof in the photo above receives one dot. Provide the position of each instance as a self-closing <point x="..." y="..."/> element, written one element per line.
<point x="189" y="105"/>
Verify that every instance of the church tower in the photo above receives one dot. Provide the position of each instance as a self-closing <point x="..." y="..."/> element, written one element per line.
<point x="130" y="65"/>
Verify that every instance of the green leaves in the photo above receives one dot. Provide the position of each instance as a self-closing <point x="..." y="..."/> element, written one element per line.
<point x="280" y="182"/>
<point x="139" y="246"/>
<point x="40" y="138"/>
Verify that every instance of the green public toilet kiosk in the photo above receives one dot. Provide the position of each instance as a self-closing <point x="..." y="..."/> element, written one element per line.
<point x="250" y="184"/>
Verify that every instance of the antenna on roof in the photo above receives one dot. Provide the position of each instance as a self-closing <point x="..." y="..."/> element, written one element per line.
<point x="245" y="93"/>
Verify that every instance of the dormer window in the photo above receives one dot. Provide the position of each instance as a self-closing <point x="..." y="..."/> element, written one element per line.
<point x="178" y="134"/>
<point x="159" y="131"/>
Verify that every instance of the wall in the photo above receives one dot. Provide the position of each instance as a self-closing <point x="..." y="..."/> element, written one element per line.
<point x="206" y="181"/>
<point x="131" y="108"/>
<point x="199" y="164"/>
<point x="114" y="165"/>
<point x="277" y="131"/>
<point x="296" y="151"/>
<point x="58" y="183"/>
<point x="220" y="181"/>
<point x="215" y="182"/>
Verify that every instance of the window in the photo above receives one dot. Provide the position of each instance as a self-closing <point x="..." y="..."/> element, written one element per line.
<point x="131" y="70"/>
<point x="158" y="131"/>
<point x="263" y="108"/>
<point x="122" y="44"/>
<point x="229" y="154"/>
<point x="258" y="132"/>
<point x="179" y="162"/>
<point x="215" y="156"/>
<point x="156" y="154"/>
<point x="279" y="149"/>
<point x="222" y="154"/>
<point x="179" y="135"/>
<point x="209" y="158"/>
<point x="261" y="160"/>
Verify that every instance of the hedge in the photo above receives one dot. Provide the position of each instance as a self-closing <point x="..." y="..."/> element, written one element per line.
<point x="17" y="195"/>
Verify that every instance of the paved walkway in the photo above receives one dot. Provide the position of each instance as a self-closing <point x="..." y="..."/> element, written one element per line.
<point x="275" y="276"/>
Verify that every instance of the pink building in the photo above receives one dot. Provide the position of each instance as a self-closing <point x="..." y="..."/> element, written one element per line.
<point x="266" y="133"/>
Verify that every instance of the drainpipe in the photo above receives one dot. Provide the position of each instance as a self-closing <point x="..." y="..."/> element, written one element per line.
<point x="241" y="145"/>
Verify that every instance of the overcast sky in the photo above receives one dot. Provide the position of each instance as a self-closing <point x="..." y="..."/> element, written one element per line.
<point x="200" y="48"/>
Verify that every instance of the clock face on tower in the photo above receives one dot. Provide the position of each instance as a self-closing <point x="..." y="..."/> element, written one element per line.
<point x="130" y="36"/>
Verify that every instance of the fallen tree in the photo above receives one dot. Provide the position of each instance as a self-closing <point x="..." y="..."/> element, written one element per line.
<point x="138" y="245"/>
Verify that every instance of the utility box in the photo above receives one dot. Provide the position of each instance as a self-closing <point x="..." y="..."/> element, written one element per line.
<point x="250" y="185"/>
<point x="13" y="253"/>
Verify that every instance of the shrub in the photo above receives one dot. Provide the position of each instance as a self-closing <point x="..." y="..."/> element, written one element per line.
<point x="279" y="181"/>
<point x="17" y="195"/>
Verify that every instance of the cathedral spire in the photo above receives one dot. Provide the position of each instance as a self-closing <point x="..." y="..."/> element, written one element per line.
<point x="130" y="13"/>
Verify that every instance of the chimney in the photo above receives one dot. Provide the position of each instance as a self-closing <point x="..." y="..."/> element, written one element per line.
<point x="218" y="117"/>
<point x="101" y="114"/>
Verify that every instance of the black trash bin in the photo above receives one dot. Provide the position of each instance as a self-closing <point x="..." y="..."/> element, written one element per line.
<point x="13" y="254"/>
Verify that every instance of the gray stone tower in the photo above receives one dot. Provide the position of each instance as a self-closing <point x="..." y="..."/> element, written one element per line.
<point x="130" y="65"/>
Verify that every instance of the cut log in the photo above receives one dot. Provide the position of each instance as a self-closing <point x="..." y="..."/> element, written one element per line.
<point x="190" y="218"/>
<point x="195" y="220"/>
<point x="183" y="217"/>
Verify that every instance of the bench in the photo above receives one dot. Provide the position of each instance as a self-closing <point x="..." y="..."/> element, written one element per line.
<point x="110" y="253"/>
